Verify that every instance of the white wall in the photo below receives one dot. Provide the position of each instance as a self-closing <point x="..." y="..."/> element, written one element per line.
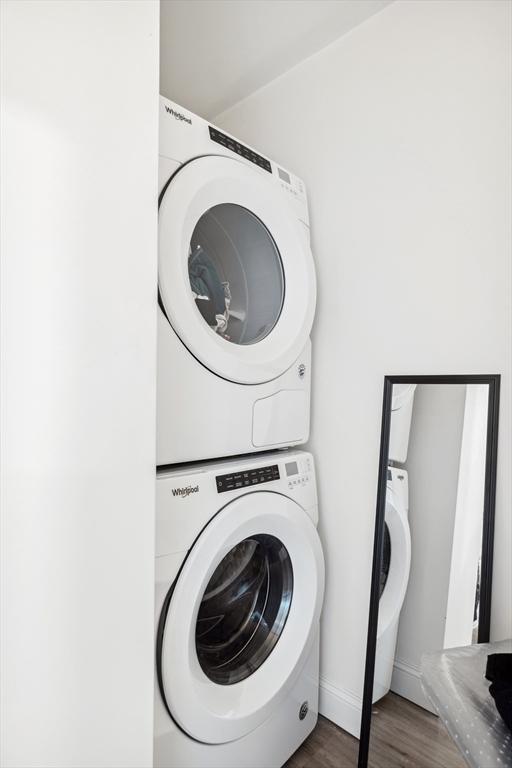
<point x="252" y="43"/>
<point x="79" y="182"/>
<point x="401" y="131"/>
<point x="467" y="534"/>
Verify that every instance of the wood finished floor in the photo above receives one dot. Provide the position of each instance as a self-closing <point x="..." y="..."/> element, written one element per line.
<point x="403" y="736"/>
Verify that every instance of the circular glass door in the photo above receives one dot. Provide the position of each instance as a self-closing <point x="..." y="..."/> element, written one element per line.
<point x="236" y="274"/>
<point x="241" y="617"/>
<point x="396" y="561"/>
<point x="235" y="271"/>
<point x="386" y="560"/>
<point x="244" y="609"/>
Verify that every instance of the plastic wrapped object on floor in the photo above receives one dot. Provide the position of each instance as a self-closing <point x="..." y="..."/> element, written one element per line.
<point x="454" y="681"/>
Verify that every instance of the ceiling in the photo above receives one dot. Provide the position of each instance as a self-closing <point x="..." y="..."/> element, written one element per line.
<point x="213" y="53"/>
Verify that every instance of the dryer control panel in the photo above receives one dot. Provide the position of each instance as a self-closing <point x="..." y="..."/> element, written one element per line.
<point x="289" y="183"/>
<point x="240" y="149"/>
<point x="247" y="478"/>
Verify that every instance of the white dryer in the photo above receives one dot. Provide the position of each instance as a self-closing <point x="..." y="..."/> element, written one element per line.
<point x="396" y="565"/>
<point x="237" y="296"/>
<point x="239" y="590"/>
<point x="401" y="416"/>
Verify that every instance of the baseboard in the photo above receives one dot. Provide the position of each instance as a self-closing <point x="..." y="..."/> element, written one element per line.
<point x="406" y="681"/>
<point x="344" y="708"/>
<point x="341" y="706"/>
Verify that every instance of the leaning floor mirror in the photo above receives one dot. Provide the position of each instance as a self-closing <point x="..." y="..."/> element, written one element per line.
<point x="432" y="560"/>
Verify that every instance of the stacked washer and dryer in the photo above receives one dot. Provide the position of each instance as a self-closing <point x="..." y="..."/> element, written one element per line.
<point x="239" y="564"/>
<point x="396" y="556"/>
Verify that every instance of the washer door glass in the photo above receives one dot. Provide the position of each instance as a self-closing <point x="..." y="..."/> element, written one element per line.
<point x="386" y="559"/>
<point x="235" y="273"/>
<point x="244" y="609"/>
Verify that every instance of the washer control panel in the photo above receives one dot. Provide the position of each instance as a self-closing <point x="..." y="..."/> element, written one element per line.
<point x="247" y="478"/>
<point x="298" y="473"/>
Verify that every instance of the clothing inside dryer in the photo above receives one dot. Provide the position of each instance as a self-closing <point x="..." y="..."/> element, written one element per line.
<point x="236" y="275"/>
<point x="212" y="296"/>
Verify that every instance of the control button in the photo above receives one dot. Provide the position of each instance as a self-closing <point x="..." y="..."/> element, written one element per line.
<point x="247" y="478"/>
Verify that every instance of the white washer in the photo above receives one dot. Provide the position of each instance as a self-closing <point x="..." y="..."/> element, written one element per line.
<point x="237" y="296"/>
<point x="401" y="416"/>
<point x="396" y="565"/>
<point x="239" y="590"/>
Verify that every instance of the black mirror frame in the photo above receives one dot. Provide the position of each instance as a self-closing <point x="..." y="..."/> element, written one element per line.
<point x="493" y="380"/>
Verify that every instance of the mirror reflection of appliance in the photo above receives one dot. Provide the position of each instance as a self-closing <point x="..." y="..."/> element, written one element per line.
<point x="394" y="577"/>
<point x="442" y="438"/>
<point x="400" y="427"/>
<point x="396" y="555"/>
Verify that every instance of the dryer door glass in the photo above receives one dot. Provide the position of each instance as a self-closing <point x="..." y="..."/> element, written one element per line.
<point x="244" y="609"/>
<point x="235" y="273"/>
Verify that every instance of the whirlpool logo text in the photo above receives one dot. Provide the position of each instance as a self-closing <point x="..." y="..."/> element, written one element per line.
<point x="184" y="492"/>
<point x="178" y="115"/>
